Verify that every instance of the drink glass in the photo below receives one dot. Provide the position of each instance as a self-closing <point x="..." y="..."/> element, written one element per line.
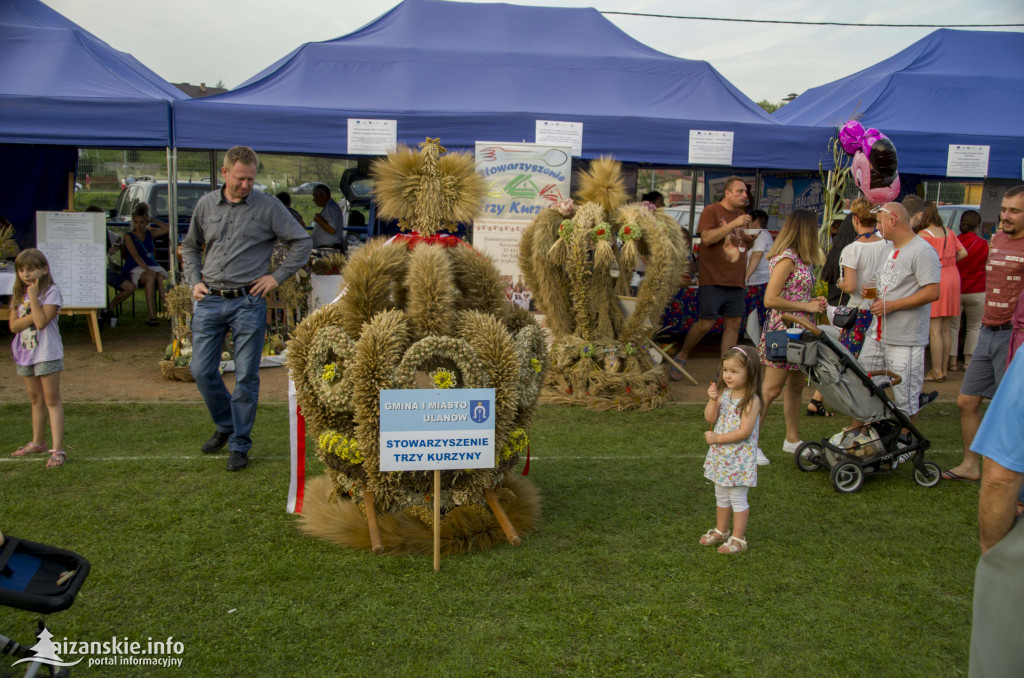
<point x="871" y="290"/>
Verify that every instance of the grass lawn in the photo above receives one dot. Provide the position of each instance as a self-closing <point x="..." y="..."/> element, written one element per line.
<point x="877" y="583"/>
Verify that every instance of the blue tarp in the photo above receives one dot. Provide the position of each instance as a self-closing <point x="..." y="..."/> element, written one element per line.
<point x="950" y="87"/>
<point x="61" y="85"/>
<point x="472" y="71"/>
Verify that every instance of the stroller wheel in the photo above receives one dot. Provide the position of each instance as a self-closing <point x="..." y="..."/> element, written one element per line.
<point x="808" y="456"/>
<point x="847" y="477"/>
<point x="931" y="476"/>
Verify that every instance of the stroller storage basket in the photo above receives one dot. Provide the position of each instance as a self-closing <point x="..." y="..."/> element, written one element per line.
<point x="30" y="576"/>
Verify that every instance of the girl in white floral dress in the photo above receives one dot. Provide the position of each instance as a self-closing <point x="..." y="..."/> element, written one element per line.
<point x="733" y="407"/>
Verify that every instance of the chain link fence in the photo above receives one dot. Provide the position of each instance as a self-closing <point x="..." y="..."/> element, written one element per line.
<point x="102" y="173"/>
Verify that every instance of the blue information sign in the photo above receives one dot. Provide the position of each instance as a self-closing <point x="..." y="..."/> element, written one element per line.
<point x="426" y="430"/>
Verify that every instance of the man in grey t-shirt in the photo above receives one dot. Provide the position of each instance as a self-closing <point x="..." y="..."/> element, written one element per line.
<point x="907" y="284"/>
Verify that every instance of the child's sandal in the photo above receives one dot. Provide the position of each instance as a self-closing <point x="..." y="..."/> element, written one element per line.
<point x="30" y="448"/>
<point x="733" y="546"/>
<point x="713" y="536"/>
<point x="57" y="459"/>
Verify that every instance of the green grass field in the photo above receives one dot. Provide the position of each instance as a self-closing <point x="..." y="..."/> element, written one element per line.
<point x="877" y="583"/>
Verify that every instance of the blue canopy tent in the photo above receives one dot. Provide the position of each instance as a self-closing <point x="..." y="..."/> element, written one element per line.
<point x="950" y="87"/>
<point x="62" y="87"/>
<point x="466" y="72"/>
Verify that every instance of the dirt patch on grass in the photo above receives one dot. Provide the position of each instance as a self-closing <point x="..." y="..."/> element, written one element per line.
<point x="128" y="369"/>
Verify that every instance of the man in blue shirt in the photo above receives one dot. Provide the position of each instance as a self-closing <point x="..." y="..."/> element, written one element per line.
<point x="996" y="649"/>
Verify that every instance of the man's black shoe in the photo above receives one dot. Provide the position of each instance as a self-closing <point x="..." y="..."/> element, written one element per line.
<point x="216" y="442"/>
<point x="237" y="461"/>
<point x="926" y="398"/>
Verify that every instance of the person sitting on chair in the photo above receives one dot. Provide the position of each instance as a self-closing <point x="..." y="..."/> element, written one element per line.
<point x="139" y="265"/>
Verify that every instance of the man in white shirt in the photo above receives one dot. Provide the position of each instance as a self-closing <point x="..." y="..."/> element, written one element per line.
<point x="329" y="224"/>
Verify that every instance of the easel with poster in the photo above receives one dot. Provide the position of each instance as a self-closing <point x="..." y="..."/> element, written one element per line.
<point x="75" y="246"/>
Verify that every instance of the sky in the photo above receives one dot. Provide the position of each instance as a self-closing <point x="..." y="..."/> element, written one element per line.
<point x="208" y="41"/>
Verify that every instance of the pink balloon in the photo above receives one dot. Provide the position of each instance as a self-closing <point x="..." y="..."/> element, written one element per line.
<point x="851" y="134"/>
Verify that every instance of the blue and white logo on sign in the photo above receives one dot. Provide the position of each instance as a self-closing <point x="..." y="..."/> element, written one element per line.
<point x="479" y="410"/>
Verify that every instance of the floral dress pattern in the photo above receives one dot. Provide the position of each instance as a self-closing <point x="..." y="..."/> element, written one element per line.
<point x="732" y="464"/>
<point x="799" y="286"/>
<point x="681" y="313"/>
<point x="853" y="337"/>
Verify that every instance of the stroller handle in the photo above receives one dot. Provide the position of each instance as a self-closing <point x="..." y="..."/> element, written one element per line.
<point x="893" y="377"/>
<point x="810" y="327"/>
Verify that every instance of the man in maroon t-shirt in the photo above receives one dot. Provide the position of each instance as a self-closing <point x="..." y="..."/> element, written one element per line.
<point x="1004" y="280"/>
<point x="722" y="272"/>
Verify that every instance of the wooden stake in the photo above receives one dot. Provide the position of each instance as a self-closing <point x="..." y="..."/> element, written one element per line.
<point x="371" y="522"/>
<point x="671" y="360"/>
<point x="437" y="519"/>
<point x="499" y="513"/>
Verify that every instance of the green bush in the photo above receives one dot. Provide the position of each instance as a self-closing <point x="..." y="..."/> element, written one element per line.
<point x="104" y="199"/>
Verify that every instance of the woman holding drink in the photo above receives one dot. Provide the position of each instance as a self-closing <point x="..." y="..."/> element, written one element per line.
<point x="858" y="262"/>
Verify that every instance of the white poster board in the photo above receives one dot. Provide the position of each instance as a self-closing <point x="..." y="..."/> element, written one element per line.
<point x="560" y="133"/>
<point x="965" y="160"/>
<point x="438" y="429"/>
<point x="372" y="137"/>
<point x="522" y="180"/>
<point x="710" y="147"/>
<point x="75" y="245"/>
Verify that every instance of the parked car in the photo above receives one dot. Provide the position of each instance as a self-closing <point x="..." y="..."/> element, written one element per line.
<point x="951" y="215"/>
<point x="306" y="188"/>
<point x="257" y="186"/>
<point x="682" y="216"/>
<point x="155" y="194"/>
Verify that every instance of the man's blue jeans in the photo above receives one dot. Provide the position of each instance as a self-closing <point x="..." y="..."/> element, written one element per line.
<point x="246" y="317"/>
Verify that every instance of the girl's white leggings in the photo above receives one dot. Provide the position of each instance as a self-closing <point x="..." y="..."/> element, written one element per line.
<point x="736" y="497"/>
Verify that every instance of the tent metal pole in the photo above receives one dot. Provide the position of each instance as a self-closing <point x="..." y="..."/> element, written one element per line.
<point x="693" y="197"/>
<point x="172" y="212"/>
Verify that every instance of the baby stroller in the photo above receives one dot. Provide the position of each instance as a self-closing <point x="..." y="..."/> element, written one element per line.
<point x="879" y="445"/>
<point x="42" y="579"/>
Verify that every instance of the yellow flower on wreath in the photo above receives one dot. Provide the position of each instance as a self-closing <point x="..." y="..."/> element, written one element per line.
<point x="535" y="365"/>
<point x="341" y="446"/>
<point x="330" y="372"/>
<point x="443" y="378"/>
<point x="517" y="442"/>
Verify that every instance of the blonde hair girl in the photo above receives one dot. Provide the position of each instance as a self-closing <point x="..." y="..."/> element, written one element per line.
<point x="38" y="351"/>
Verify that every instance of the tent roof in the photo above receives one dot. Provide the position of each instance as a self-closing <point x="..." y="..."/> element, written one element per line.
<point x="950" y="87"/>
<point x="59" y="84"/>
<point x="473" y="71"/>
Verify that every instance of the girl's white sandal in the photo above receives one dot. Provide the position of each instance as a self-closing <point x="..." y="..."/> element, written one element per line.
<point x="713" y="536"/>
<point x="733" y="545"/>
